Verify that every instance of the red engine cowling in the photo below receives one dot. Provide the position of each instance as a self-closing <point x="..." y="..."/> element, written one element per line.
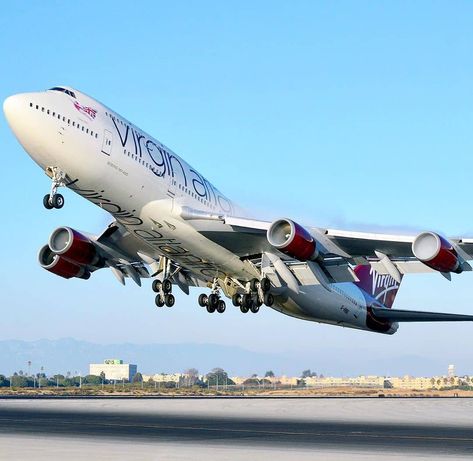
<point x="293" y="240"/>
<point x="436" y="252"/>
<point x="73" y="246"/>
<point x="61" y="266"/>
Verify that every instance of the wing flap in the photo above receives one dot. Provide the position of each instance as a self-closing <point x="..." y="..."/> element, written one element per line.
<point x="399" y="315"/>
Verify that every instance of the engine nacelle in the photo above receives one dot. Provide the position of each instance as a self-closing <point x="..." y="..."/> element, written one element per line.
<point x="436" y="252"/>
<point x="73" y="246"/>
<point x="293" y="240"/>
<point x="61" y="266"/>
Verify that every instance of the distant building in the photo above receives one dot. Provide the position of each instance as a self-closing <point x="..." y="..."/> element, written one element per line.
<point x="451" y="371"/>
<point x="330" y="381"/>
<point x="180" y="379"/>
<point x="114" y="369"/>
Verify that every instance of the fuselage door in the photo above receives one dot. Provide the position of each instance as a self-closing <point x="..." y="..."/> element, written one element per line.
<point x="107" y="142"/>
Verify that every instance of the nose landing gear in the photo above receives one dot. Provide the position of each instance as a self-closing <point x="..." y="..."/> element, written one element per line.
<point x="53" y="199"/>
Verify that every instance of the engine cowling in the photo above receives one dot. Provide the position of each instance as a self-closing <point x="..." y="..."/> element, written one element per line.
<point x="61" y="266"/>
<point x="73" y="246"/>
<point x="436" y="252"/>
<point x="292" y="239"/>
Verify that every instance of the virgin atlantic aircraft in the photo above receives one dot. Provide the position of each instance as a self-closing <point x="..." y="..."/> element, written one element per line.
<point x="173" y="226"/>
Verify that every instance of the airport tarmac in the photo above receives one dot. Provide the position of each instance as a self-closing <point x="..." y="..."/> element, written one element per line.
<point x="236" y="429"/>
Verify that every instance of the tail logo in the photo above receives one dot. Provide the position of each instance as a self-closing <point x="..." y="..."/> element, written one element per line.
<point x="381" y="285"/>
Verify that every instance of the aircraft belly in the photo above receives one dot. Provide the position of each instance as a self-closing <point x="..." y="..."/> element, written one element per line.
<point x="317" y="304"/>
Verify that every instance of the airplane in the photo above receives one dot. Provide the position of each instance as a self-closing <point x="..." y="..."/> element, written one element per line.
<point x="173" y="226"/>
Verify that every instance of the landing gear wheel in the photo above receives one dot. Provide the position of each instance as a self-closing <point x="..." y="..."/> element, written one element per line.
<point x="210" y="309"/>
<point x="246" y="301"/>
<point x="244" y="309"/>
<point x="258" y="303"/>
<point x="203" y="300"/>
<point x="46" y="203"/>
<point x="159" y="301"/>
<point x="167" y="286"/>
<point x="268" y="299"/>
<point x="254" y="308"/>
<point x="169" y="300"/>
<point x="254" y="284"/>
<point x="221" y="306"/>
<point x="58" y="201"/>
<point x="265" y="284"/>
<point x="156" y="286"/>
<point x="236" y="300"/>
<point x="213" y="301"/>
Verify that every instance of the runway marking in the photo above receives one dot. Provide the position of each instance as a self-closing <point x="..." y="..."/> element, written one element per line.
<point x="249" y="431"/>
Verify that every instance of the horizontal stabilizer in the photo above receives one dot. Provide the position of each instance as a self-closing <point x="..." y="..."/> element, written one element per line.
<point x="398" y="315"/>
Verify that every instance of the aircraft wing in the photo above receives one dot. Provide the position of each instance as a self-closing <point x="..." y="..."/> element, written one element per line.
<point x="387" y="253"/>
<point x="398" y="315"/>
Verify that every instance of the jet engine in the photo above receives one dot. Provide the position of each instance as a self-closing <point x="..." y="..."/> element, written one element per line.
<point x="73" y="246"/>
<point x="61" y="266"/>
<point x="292" y="239"/>
<point x="436" y="252"/>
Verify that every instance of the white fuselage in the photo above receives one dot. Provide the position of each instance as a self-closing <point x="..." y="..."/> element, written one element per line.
<point x="144" y="185"/>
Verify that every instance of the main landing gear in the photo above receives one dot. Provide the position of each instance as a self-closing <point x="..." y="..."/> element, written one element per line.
<point x="164" y="297"/>
<point x="257" y="295"/>
<point x="213" y="302"/>
<point x="53" y="199"/>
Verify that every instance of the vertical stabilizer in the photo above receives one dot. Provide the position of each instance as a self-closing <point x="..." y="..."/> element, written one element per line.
<point x="381" y="287"/>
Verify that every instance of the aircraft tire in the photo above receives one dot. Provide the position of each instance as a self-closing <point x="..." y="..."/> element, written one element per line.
<point x="254" y="284"/>
<point x="203" y="300"/>
<point x="58" y="201"/>
<point x="213" y="301"/>
<point x="254" y="308"/>
<point x="246" y="300"/>
<point x="46" y="203"/>
<point x="265" y="284"/>
<point x="244" y="309"/>
<point x="210" y="309"/>
<point x="236" y="300"/>
<point x="156" y="286"/>
<point x="221" y="306"/>
<point x="167" y="286"/>
<point x="159" y="301"/>
<point x="169" y="300"/>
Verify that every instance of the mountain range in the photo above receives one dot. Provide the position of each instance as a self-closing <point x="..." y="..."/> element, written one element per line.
<point x="72" y="355"/>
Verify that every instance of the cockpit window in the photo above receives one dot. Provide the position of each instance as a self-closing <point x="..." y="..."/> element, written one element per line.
<point x="63" y="90"/>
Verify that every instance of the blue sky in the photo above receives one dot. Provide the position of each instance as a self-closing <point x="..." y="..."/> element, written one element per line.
<point x="353" y="115"/>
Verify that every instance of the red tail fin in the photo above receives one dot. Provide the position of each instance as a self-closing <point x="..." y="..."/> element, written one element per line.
<point x="381" y="287"/>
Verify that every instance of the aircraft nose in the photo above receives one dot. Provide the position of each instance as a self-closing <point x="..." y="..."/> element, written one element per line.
<point x="12" y="108"/>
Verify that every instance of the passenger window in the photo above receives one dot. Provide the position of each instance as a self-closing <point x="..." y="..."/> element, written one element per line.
<point x="31" y="104"/>
<point x="68" y="121"/>
<point x="47" y="111"/>
<point x="87" y="131"/>
<point x="73" y="123"/>
<point x="42" y="109"/>
<point x="54" y="114"/>
<point x="36" y="106"/>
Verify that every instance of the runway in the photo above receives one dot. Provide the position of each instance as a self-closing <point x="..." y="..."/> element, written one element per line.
<point x="276" y="429"/>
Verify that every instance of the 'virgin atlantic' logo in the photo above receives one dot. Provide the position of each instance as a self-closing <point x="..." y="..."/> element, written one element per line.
<point x="91" y="113"/>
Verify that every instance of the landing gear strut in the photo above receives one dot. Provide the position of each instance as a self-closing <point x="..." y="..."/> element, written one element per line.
<point x="213" y="302"/>
<point x="53" y="199"/>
